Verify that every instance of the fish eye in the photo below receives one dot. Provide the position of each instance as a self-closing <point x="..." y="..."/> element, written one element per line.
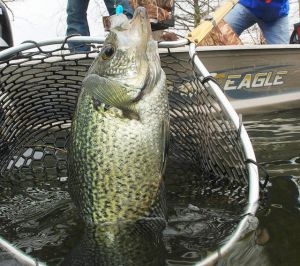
<point x="107" y="52"/>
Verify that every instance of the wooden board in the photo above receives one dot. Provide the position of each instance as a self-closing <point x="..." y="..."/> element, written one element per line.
<point x="198" y="34"/>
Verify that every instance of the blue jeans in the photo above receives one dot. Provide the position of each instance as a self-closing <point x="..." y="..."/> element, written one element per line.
<point x="276" y="32"/>
<point x="77" y="22"/>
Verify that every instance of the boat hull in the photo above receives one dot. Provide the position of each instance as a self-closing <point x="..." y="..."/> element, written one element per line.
<point x="256" y="78"/>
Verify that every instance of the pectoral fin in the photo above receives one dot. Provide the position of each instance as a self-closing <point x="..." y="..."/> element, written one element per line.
<point x="106" y="91"/>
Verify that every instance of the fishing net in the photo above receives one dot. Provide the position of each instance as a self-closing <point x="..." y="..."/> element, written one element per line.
<point x="211" y="180"/>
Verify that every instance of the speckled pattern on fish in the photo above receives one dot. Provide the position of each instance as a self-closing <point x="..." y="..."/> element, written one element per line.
<point x="120" y="128"/>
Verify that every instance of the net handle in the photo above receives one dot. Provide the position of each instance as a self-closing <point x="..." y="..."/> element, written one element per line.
<point x="19" y="255"/>
<point x="199" y="33"/>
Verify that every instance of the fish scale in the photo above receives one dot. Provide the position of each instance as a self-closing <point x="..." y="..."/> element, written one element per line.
<point x="119" y="131"/>
<point x="120" y="182"/>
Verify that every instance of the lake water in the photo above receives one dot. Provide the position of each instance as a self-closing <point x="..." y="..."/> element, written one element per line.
<point x="276" y="141"/>
<point x="42" y="221"/>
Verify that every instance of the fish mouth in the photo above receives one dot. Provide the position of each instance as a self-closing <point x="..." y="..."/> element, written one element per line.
<point x="140" y="23"/>
<point x="140" y="13"/>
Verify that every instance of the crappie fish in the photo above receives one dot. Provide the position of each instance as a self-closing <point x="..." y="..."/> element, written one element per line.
<point x="119" y="134"/>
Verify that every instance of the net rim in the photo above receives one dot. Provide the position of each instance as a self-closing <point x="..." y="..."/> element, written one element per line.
<point x="253" y="178"/>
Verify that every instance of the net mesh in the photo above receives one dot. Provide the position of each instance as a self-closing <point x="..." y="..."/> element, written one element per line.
<point x="39" y="89"/>
<point x="200" y="131"/>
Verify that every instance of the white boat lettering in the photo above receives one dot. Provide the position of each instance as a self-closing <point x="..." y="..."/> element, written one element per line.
<point x="249" y="80"/>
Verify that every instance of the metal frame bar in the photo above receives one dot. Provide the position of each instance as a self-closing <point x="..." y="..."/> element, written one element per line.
<point x="19" y="255"/>
<point x="248" y="151"/>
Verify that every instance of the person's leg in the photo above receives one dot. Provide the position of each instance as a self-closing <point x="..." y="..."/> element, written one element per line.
<point x="240" y="18"/>
<point x="77" y="22"/>
<point x="128" y="10"/>
<point x="276" y="32"/>
<point x="111" y="7"/>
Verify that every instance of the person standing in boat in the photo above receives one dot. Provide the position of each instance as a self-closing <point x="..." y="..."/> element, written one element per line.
<point x="270" y="15"/>
<point x="77" y="22"/>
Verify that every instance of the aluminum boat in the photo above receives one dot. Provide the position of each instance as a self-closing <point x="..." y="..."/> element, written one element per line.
<point x="256" y="78"/>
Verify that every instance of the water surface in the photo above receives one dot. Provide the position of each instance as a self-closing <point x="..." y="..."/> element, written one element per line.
<point x="276" y="141"/>
<point x="38" y="216"/>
